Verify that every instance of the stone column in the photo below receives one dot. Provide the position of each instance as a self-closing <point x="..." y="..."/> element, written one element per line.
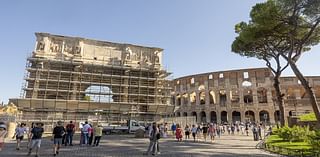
<point x="198" y="117"/>
<point x="257" y="116"/>
<point x="197" y="97"/>
<point x="243" y="115"/>
<point x="218" y="117"/>
<point x="229" y="116"/>
<point x="208" y="116"/>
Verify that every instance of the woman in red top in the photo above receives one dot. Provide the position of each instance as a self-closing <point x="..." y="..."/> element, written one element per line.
<point x="179" y="133"/>
<point x="90" y="133"/>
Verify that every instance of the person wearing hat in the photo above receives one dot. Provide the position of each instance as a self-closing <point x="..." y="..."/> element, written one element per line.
<point x="57" y="135"/>
<point x="3" y="134"/>
<point x="97" y="131"/>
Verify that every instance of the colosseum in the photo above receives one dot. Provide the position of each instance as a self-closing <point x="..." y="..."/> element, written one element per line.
<point x="239" y="95"/>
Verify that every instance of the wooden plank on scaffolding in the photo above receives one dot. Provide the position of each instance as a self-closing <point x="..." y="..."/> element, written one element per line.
<point x="36" y="103"/>
<point x="49" y="104"/>
<point x="152" y="108"/>
<point x="72" y="105"/>
<point x="83" y="105"/>
<point x="61" y="105"/>
<point x="23" y="103"/>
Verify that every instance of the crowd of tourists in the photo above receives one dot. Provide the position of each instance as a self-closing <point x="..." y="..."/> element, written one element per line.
<point x="90" y="135"/>
<point x="61" y="135"/>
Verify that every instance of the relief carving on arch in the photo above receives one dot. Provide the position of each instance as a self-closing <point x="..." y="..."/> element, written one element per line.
<point x="72" y="48"/>
<point x="40" y="45"/>
<point x="56" y="46"/>
<point x="157" y="57"/>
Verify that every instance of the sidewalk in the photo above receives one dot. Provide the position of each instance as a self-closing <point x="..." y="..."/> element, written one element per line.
<point x="128" y="146"/>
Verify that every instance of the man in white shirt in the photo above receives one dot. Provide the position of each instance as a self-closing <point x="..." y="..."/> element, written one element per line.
<point x="85" y="132"/>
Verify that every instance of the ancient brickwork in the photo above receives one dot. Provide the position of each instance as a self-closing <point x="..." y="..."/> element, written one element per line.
<point x="239" y="95"/>
<point x="69" y="77"/>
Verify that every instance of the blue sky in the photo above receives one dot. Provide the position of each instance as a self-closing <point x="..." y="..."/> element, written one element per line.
<point x="196" y="35"/>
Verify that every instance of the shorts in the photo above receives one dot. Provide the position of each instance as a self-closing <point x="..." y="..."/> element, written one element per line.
<point x="194" y="134"/>
<point x="36" y="142"/>
<point x="57" y="141"/>
<point x="19" y="138"/>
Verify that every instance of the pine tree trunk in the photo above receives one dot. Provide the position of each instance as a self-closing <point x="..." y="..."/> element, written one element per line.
<point x="279" y="101"/>
<point x="306" y="86"/>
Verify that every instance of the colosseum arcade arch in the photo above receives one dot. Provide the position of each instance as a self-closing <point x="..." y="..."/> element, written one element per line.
<point x="202" y="96"/>
<point x="185" y="114"/>
<point x="264" y="116"/>
<point x="213" y="116"/>
<point x="203" y="117"/>
<point x="250" y="116"/>
<point x="234" y="96"/>
<point x="262" y="95"/>
<point x="193" y="98"/>
<point x="277" y="116"/>
<point x="212" y="97"/>
<point x="224" y="116"/>
<point x="247" y="96"/>
<point x="185" y="99"/>
<point x="99" y="94"/>
<point x="178" y="114"/>
<point x="178" y="99"/>
<point x="195" y="115"/>
<point x="236" y="116"/>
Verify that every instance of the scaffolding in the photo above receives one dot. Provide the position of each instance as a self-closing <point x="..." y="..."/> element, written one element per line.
<point x="101" y="82"/>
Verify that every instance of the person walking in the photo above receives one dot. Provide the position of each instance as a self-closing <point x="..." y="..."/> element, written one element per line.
<point x="247" y="129"/>
<point x="173" y="128"/>
<point x="212" y="132"/>
<point x="19" y="134"/>
<point x="179" y="133"/>
<point x="70" y="130"/>
<point x="255" y="133"/>
<point x="154" y="137"/>
<point x="3" y="134"/>
<point x="205" y="131"/>
<point x="194" y="132"/>
<point x="36" y="136"/>
<point x="57" y="137"/>
<point x="259" y="132"/>
<point x="218" y="130"/>
<point x="97" y="135"/>
<point x="187" y="131"/>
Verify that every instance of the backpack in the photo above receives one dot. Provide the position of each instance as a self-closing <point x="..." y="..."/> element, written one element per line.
<point x="158" y="136"/>
<point x="69" y="128"/>
<point x="37" y="132"/>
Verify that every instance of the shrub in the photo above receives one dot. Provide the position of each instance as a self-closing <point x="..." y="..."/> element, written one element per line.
<point x="308" y="117"/>
<point x="296" y="133"/>
<point x="285" y="133"/>
<point x="314" y="139"/>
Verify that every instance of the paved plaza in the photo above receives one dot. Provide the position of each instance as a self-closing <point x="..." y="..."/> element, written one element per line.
<point x="127" y="145"/>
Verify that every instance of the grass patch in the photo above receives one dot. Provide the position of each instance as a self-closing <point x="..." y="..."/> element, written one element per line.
<point x="308" y="117"/>
<point x="280" y="146"/>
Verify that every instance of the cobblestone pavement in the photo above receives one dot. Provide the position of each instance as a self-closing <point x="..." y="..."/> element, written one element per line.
<point x="128" y="146"/>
